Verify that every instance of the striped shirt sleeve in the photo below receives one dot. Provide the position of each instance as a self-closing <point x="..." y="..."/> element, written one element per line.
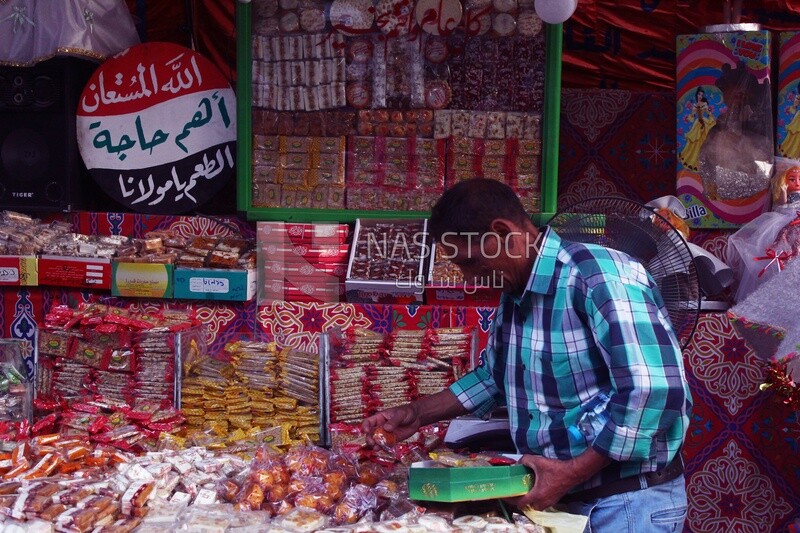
<point x="643" y="360"/>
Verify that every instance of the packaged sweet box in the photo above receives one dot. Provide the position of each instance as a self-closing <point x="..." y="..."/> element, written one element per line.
<point x="433" y="481"/>
<point x="386" y="261"/>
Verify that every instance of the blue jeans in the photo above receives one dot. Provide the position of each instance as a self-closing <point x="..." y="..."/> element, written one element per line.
<point x="656" y="509"/>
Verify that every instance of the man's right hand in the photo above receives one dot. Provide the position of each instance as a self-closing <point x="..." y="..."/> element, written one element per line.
<point x="405" y="420"/>
<point x="402" y="421"/>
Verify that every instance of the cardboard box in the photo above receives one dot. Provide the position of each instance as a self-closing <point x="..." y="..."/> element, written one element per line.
<point x="283" y="290"/>
<point x="19" y="270"/>
<point x="80" y="272"/>
<point x="318" y="234"/>
<point x="429" y="481"/>
<point x="142" y="280"/>
<point x="214" y="284"/>
<point x="399" y="291"/>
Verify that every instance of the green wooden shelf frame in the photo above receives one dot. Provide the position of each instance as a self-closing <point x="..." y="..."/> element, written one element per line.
<point x="244" y="126"/>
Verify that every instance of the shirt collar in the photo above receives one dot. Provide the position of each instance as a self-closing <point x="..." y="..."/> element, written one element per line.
<point x="541" y="280"/>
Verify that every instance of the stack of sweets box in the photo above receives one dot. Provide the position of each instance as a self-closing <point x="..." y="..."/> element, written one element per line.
<point x="299" y="72"/>
<point x="505" y="146"/>
<point x="386" y="261"/>
<point x="395" y="173"/>
<point x="298" y="172"/>
<point x="498" y="74"/>
<point x="302" y="262"/>
<point x="110" y="352"/>
<point x="303" y="123"/>
<point x="370" y="371"/>
<point x="258" y="388"/>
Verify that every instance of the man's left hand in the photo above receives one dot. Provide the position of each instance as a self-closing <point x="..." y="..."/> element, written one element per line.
<point x="552" y="479"/>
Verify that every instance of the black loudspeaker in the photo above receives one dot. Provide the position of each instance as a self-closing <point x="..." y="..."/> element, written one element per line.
<point x="40" y="166"/>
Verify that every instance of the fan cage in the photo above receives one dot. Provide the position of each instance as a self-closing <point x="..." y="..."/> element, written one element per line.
<point x="645" y="235"/>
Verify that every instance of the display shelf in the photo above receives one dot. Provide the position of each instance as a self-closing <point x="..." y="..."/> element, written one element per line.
<point x="244" y="173"/>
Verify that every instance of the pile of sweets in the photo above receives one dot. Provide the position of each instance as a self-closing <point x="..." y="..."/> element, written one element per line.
<point x="93" y="246"/>
<point x="64" y="484"/>
<point x="370" y="371"/>
<point x="349" y="440"/>
<point x="238" y="441"/>
<point x="21" y="234"/>
<point x="388" y="251"/>
<point x="133" y="427"/>
<point x="15" y="388"/>
<point x="258" y="386"/>
<point x="169" y="246"/>
<point x="78" y="486"/>
<point x="119" y="354"/>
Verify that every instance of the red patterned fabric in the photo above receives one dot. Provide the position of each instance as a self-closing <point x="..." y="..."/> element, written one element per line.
<point x="742" y="461"/>
<point x="631" y="44"/>
<point x="625" y="44"/>
<point x="743" y="466"/>
<point x="605" y="150"/>
<point x="742" y="457"/>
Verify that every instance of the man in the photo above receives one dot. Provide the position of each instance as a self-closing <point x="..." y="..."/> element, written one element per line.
<point x="575" y="321"/>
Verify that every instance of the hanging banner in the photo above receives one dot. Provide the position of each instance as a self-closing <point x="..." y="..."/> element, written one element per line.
<point x="156" y="128"/>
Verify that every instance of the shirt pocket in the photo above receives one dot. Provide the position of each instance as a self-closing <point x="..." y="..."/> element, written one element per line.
<point x="554" y="389"/>
<point x="556" y="365"/>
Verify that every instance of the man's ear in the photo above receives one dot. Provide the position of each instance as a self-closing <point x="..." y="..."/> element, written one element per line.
<point x="503" y="226"/>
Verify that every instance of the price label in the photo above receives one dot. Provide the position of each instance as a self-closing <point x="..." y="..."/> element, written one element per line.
<point x="9" y="275"/>
<point x="213" y="285"/>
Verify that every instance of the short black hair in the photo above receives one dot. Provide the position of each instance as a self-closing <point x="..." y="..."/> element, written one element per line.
<point x="471" y="206"/>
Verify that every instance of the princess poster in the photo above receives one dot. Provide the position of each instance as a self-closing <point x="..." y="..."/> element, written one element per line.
<point x="787" y="140"/>
<point x="724" y="130"/>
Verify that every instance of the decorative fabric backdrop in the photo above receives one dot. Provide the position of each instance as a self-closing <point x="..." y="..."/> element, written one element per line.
<point x="742" y="456"/>
<point x="610" y="44"/>
<point x="742" y="461"/>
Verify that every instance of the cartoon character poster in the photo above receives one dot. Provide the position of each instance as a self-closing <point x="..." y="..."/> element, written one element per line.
<point x="787" y="138"/>
<point x="724" y="127"/>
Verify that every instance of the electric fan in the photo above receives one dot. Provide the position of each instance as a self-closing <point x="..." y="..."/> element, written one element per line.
<point x="648" y="237"/>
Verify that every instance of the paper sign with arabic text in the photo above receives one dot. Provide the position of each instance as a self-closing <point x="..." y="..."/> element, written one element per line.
<point x="157" y="128"/>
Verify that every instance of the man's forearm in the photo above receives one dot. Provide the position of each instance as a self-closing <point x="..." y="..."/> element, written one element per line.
<point x="439" y="406"/>
<point x="586" y="465"/>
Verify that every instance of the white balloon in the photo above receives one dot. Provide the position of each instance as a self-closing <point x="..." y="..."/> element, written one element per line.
<point x="555" y="11"/>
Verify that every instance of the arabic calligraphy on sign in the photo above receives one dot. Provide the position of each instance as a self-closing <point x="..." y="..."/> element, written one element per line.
<point x="103" y="139"/>
<point x="145" y="190"/>
<point x="127" y="86"/>
<point x="438" y="17"/>
<point x="154" y="122"/>
<point x="395" y="17"/>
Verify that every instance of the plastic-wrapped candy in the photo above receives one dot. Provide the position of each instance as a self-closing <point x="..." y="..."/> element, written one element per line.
<point x="16" y="391"/>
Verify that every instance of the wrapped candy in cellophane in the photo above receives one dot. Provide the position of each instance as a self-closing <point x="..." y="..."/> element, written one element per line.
<point x="16" y="390"/>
